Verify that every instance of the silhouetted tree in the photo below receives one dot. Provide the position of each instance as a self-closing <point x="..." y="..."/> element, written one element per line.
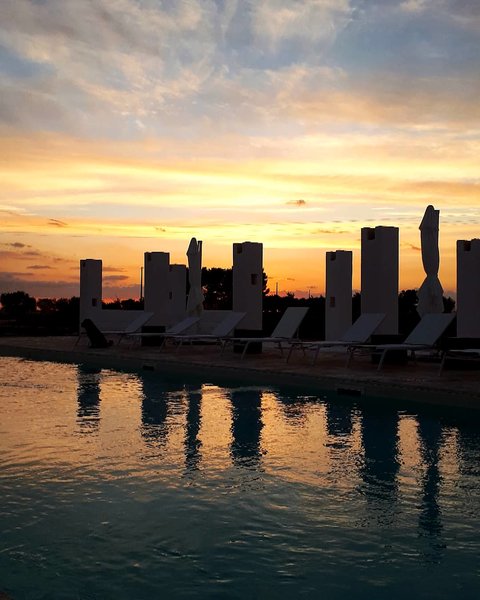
<point x="57" y="316"/>
<point x="112" y="304"/>
<point x="408" y="316"/>
<point x="46" y="305"/>
<point x="17" y="304"/>
<point x="448" y="304"/>
<point x="217" y="287"/>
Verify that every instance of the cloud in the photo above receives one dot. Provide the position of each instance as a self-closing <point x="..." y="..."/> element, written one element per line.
<point x="411" y="246"/>
<point x="39" y="267"/>
<point x="329" y="231"/>
<point x="109" y="269"/>
<point x="311" y="24"/>
<point x="414" y="6"/>
<point x="17" y="245"/>
<point x="115" y="278"/>
<point x="11" y="254"/>
<point x="12" y="282"/>
<point x="175" y="70"/>
<point x="14" y="275"/>
<point x="57" y="223"/>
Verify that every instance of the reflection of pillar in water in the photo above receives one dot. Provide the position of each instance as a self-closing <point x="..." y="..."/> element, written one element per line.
<point x="88" y="397"/>
<point x="339" y="426"/>
<point x="155" y="411"/>
<point x="246" y="427"/>
<point x="192" y="443"/>
<point x="429" y="522"/>
<point x="339" y="420"/>
<point x="293" y="407"/>
<point x="379" y="427"/>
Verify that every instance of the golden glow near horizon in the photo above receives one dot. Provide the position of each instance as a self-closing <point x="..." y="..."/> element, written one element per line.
<point x="196" y="121"/>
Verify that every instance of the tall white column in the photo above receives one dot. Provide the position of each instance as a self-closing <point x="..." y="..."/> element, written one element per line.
<point x="248" y="283"/>
<point x="338" y="294"/>
<point x="379" y="275"/>
<point x="157" y="286"/>
<point x="468" y="288"/>
<point x="90" y="288"/>
<point x="177" y="293"/>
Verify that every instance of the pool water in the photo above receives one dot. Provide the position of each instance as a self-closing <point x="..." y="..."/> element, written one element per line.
<point x="127" y="486"/>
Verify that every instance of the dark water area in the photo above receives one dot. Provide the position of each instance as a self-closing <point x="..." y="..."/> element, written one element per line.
<point x="118" y="485"/>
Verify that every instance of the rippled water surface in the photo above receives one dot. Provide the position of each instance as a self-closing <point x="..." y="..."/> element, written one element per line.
<point x="116" y="485"/>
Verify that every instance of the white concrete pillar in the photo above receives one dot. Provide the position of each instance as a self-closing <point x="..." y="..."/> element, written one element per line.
<point x="157" y="288"/>
<point x="468" y="288"/>
<point x="379" y="275"/>
<point x="338" y="294"/>
<point x="90" y="288"/>
<point x="248" y="283"/>
<point x="177" y="293"/>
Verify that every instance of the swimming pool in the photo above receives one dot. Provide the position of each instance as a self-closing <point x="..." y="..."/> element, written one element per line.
<point x="120" y="485"/>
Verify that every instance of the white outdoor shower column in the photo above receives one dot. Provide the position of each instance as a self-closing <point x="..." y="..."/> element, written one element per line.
<point x="156" y="292"/>
<point x="177" y="293"/>
<point x="90" y="288"/>
<point x="468" y="288"/>
<point x="248" y="284"/>
<point x="379" y="275"/>
<point x="338" y="293"/>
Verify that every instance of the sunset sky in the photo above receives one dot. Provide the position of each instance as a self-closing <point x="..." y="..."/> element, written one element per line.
<point x="129" y="126"/>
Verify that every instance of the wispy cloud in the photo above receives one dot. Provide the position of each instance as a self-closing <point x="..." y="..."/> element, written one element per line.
<point x="39" y="267"/>
<point x="115" y="278"/>
<point x="18" y="245"/>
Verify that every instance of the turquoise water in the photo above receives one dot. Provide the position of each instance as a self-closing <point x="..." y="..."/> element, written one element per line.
<point x="116" y="485"/>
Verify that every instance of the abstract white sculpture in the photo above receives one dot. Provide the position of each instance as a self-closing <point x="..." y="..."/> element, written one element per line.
<point x="430" y="294"/>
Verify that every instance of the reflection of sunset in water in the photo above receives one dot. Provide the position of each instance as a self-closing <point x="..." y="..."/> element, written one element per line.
<point x="291" y="488"/>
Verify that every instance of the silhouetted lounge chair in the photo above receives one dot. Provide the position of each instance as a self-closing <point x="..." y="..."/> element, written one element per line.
<point x="423" y="337"/>
<point x="172" y="331"/>
<point x="95" y="336"/>
<point x="459" y="354"/>
<point x="105" y="322"/>
<point x="284" y="332"/>
<point x="222" y="330"/>
<point x="358" y="333"/>
<point x="133" y="327"/>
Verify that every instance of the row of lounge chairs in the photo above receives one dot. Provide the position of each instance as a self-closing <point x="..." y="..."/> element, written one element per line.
<point x="424" y="337"/>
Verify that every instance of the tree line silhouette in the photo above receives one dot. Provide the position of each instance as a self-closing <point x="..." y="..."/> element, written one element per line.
<point x="22" y="314"/>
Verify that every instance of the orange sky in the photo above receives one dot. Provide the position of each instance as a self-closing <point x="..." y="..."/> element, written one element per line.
<point x="132" y="130"/>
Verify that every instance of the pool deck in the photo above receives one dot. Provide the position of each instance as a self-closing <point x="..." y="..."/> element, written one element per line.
<point x="418" y="382"/>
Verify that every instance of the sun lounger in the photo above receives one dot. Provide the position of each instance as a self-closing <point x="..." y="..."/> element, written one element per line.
<point x="459" y="354"/>
<point x="117" y="322"/>
<point x="133" y="327"/>
<point x="284" y="332"/>
<point x="174" y="330"/>
<point x="222" y="330"/>
<point x="358" y="333"/>
<point x="423" y="337"/>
